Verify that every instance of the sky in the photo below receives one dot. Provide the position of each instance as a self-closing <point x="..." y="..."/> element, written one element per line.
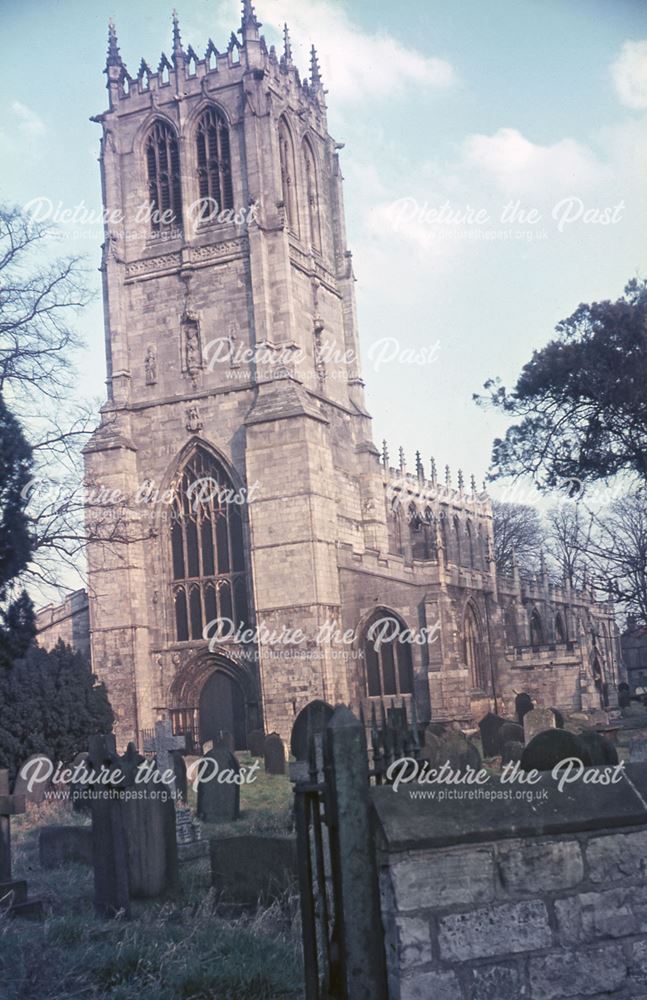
<point x="458" y="118"/>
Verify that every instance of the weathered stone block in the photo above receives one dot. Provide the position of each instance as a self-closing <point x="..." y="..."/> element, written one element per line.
<point x="423" y="985"/>
<point x="593" y="915"/>
<point x="576" y="974"/>
<point x="618" y="856"/>
<point x="414" y="941"/>
<point x="552" y="866"/>
<point x="494" y="930"/>
<point x="495" y="982"/>
<point x="443" y="879"/>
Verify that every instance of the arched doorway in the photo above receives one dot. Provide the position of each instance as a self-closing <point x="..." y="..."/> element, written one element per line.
<point x="222" y="709"/>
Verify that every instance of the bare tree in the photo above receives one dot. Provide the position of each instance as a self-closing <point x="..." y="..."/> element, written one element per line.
<point x="517" y="532"/>
<point x="618" y="553"/>
<point x="568" y="540"/>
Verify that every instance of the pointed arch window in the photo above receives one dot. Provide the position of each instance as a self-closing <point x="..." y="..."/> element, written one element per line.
<point x="473" y="652"/>
<point x="214" y="164"/>
<point x="207" y="549"/>
<point x="457" y="541"/>
<point x="387" y="656"/>
<point x="312" y="195"/>
<point x="164" y="187"/>
<point x="288" y="176"/>
<point x="536" y="629"/>
<point x="469" y="531"/>
<point x="560" y="628"/>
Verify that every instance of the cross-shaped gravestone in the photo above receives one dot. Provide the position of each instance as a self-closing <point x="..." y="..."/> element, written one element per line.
<point x="12" y="893"/>
<point x="162" y="745"/>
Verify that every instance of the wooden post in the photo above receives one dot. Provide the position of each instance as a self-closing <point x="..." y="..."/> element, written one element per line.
<point x="357" y="900"/>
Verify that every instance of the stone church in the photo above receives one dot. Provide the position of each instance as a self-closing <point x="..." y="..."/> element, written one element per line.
<point x="233" y="476"/>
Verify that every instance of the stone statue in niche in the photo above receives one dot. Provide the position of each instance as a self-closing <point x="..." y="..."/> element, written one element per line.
<point x="193" y="422"/>
<point x="150" y="365"/>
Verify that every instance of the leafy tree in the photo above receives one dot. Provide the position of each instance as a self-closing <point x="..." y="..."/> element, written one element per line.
<point x="518" y="532"/>
<point x="580" y="402"/>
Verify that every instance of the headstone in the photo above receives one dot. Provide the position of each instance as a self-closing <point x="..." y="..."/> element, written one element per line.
<point x="511" y="752"/>
<point x="13" y="893"/>
<point x="256" y="742"/>
<point x="79" y="790"/>
<point x="190" y="844"/>
<point x="253" y="869"/>
<point x="274" y="753"/>
<point x="523" y="703"/>
<point x="458" y="751"/>
<point x="638" y="750"/>
<point x="552" y="746"/>
<point x="162" y="745"/>
<point x="225" y="739"/>
<point x="151" y="845"/>
<point x="311" y="721"/>
<point x="537" y="721"/>
<point x="624" y="695"/>
<point x="179" y="767"/>
<point x="559" y="718"/>
<point x="58" y="845"/>
<point x="602" y="751"/>
<point x="39" y="789"/>
<point x="510" y="732"/>
<point x="219" y="800"/>
<point x="431" y="747"/>
<point x="489" y="727"/>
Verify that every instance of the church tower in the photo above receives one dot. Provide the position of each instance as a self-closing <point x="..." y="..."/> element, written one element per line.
<point x="234" y="453"/>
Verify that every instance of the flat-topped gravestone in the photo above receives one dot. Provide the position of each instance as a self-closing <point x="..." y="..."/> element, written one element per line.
<point x="250" y="869"/>
<point x="552" y="746"/>
<point x="274" y="753"/>
<point x="510" y="732"/>
<point x="489" y="727"/>
<point x="537" y="721"/>
<point x="36" y="794"/>
<point x="58" y="845"/>
<point x="163" y="744"/>
<point x="256" y="742"/>
<point x="218" y="793"/>
<point x="311" y="721"/>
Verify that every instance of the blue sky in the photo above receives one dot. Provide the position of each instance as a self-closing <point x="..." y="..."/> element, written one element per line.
<point x="467" y="104"/>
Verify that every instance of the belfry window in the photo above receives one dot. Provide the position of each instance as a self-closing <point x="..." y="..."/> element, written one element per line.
<point x="312" y="194"/>
<point x="387" y="656"/>
<point x="214" y="164"/>
<point x="163" y="169"/>
<point x="209" y="576"/>
<point x="288" y="177"/>
<point x="473" y="653"/>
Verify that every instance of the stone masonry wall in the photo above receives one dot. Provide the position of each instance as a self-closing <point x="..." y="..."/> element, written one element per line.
<point x="542" y="918"/>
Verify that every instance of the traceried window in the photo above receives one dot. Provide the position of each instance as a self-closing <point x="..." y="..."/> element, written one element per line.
<point x="209" y="575"/>
<point x="312" y="195"/>
<point x="560" y="628"/>
<point x="288" y="177"/>
<point x="536" y="629"/>
<point x="163" y="170"/>
<point x="389" y="667"/>
<point x="214" y="164"/>
<point x="473" y="653"/>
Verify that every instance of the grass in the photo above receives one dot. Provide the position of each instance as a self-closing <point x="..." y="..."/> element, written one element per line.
<point x="185" y="947"/>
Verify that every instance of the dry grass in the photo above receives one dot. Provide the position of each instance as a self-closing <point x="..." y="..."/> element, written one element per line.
<point x="185" y="947"/>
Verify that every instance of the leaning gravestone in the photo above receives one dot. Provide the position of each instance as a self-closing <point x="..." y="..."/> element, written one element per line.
<point x="549" y="748"/>
<point x="219" y="800"/>
<point x="311" y="721"/>
<point x="523" y="703"/>
<point x="39" y="789"/>
<point x="537" y="721"/>
<point x="512" y="752"/>
<point x="274" y="753"/>
<point x="256" y="742"/>
<point x="489" y="727"/>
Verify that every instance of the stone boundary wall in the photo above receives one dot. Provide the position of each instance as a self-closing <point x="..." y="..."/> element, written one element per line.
<point x="506" y="914"/>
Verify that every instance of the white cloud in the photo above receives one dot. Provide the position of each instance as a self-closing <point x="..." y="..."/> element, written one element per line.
<point x="629" y="74"/>
<point x="520" y="166"/>
<point x="355" y="65"/>
<point x="28" y="122"/>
